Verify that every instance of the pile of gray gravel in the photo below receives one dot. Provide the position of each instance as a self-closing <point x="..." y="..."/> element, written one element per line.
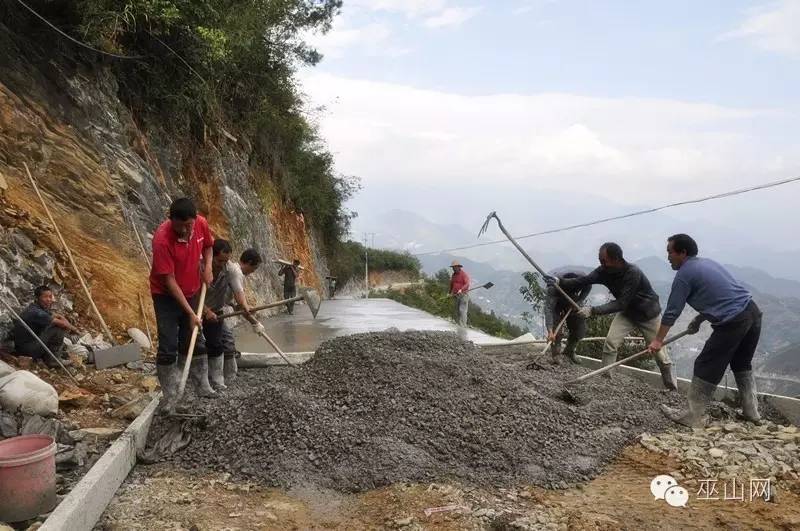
<point x="374" y="409"/>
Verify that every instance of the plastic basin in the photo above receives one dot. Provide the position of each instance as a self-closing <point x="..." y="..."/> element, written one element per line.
<point x="27" y="477"/>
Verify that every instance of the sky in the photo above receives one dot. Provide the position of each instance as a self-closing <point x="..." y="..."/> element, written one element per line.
<point x="634" y="103"/>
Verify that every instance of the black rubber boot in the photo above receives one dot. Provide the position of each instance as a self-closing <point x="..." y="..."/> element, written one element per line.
<point x="746" y="383"/>
<point x="700" y="394"/>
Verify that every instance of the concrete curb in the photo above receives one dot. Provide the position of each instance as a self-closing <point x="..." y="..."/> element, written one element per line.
<point x="85" y="504"/>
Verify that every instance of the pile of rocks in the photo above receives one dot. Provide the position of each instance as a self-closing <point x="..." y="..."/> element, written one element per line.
<point x="375" y="409"/>
<point x="733" y="450"/>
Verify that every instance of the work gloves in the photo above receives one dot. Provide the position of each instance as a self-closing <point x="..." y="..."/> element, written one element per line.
<point x="258" y="328"/>
<point x="585" y="312"/>
<point x="694" y="326"/>
<point x="550" y="281"/>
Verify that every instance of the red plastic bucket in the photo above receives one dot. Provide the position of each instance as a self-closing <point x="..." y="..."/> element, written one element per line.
<point x="27" y="477"/>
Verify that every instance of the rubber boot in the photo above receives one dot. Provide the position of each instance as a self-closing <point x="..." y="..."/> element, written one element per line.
<point x="667" y="376"/>
<point x="746" y="383"/>
<point x="229" y="370"/>
<point x="215" y="374"/>
<point x="608" y="359"/>
<point x="555" y="354"/>
<point x="700" y="394"/>
<point x="168" y="379"/>
<point x="198" y="373"/>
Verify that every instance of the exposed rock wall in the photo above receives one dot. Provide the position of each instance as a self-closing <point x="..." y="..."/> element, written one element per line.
<point x="106" y="178"/>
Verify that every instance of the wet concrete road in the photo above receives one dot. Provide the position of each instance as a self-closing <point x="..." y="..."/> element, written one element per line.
<point x="301" y="332"/>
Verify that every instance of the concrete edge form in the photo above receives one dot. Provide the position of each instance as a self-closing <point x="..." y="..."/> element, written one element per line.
<point x="254" y="360"/>
<point x="85" y="503"/>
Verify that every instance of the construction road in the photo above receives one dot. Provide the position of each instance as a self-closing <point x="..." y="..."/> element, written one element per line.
<point x="302" y="333"/>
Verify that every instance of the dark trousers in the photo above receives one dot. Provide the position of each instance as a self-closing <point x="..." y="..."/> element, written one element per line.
<point x="213" y="332"/>
<point x="175" y="329"/>
<point x="52" y="336"/>
<point x="228" y="343"/>
<point x="288" y="293"/>
<point x="731" y="344"/>
<point x="577" y="331"/>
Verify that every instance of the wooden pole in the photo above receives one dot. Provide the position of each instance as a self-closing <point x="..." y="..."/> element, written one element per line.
<point x="146" y="324"/>
<point x="192" y="341"/>
<point x="71" y="259"/>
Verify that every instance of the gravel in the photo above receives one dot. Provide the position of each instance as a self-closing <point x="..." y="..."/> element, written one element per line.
<point x="374" y="409"/>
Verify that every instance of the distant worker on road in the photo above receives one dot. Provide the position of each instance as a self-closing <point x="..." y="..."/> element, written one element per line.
<point x="556" y="307"/>
<point x="459" y="285"/>
<point x="736" y="320"/>
<point x="290" y="274"/>
<point x="636" y="305"/>
<point x="332" y="287"/>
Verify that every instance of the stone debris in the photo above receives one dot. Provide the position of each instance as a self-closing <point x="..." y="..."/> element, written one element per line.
<point x="374" y="409"/>
<point x="729" y="450"/>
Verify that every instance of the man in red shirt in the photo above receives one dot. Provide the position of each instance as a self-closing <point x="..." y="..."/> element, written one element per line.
<point x="175" y="280"/>
<point x="459" y="285"/>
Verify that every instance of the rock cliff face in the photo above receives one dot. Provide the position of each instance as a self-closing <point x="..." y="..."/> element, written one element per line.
<point x="108" y="181"/>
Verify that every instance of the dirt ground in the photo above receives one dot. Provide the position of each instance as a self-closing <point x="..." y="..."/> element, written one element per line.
<point x="159" y="497"/>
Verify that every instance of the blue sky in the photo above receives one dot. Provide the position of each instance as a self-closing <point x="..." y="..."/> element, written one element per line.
<point x="638" y="103"/>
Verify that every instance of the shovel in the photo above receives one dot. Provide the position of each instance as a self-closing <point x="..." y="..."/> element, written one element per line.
<point x="485" y="226"/>
<point x="310" y="296"/>
<point x="568" y="394"/>
<point x="192" y="341"/>
<point x="534" y="364"/>
<point x="488" y="285"/>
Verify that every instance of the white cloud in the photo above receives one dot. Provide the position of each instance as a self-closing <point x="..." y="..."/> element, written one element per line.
<point x="452" y="16"/>
<point x="409" y="8"/>
<point x="775" y="29"/>
<point x="643" y="148"/>
<point x="373" y="39"/>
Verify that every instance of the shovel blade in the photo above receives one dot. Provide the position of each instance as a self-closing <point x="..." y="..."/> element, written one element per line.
<point x="313" y="301"/>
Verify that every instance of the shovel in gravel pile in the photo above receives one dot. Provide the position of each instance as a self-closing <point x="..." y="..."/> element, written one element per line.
<point x="571" y="393"/>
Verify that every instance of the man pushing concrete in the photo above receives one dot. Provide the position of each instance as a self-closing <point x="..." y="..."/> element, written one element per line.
<point x="736" y="320"/>
<point x="179" y="244"/>
<point x="635" y="305"/>
<point x="459" y="286"/>
<point x="228" y="284"/>
<point x="556" y="307"/>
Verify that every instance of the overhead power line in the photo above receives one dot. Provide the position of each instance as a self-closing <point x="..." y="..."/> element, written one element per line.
<point x="623" y="216"/>
<point x="74" y="40"/>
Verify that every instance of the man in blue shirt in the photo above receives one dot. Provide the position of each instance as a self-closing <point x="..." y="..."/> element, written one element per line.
<point x="48" y="326"/>
<point x="736" y="320"/>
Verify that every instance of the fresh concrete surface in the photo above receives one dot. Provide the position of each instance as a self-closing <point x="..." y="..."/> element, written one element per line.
<point x="338" y="317"/>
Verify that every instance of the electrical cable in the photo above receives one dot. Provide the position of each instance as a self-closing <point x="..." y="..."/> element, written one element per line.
<point x="623" y="216"/>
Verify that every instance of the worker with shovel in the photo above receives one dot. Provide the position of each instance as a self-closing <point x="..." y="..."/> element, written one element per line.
<point x="228" y="284"/>
<point x="736" y="320"/>
<point x="636" y="305"/>
<point x="49" y="327"/>
<point x="557" y="308"/>
<point x="459" y="286"/>
<point x="179" y="245"/>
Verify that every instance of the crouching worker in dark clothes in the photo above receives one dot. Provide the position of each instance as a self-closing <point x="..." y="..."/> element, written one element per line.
<point x="556" y="307"/>
<point x="49" y="327"/>
<point x="228" y="284"/>
<point x="179" y="244"/>
<point x="736" y="320"/>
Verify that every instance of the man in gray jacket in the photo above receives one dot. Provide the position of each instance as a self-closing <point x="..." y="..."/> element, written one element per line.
<point x="635" y="305"/>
